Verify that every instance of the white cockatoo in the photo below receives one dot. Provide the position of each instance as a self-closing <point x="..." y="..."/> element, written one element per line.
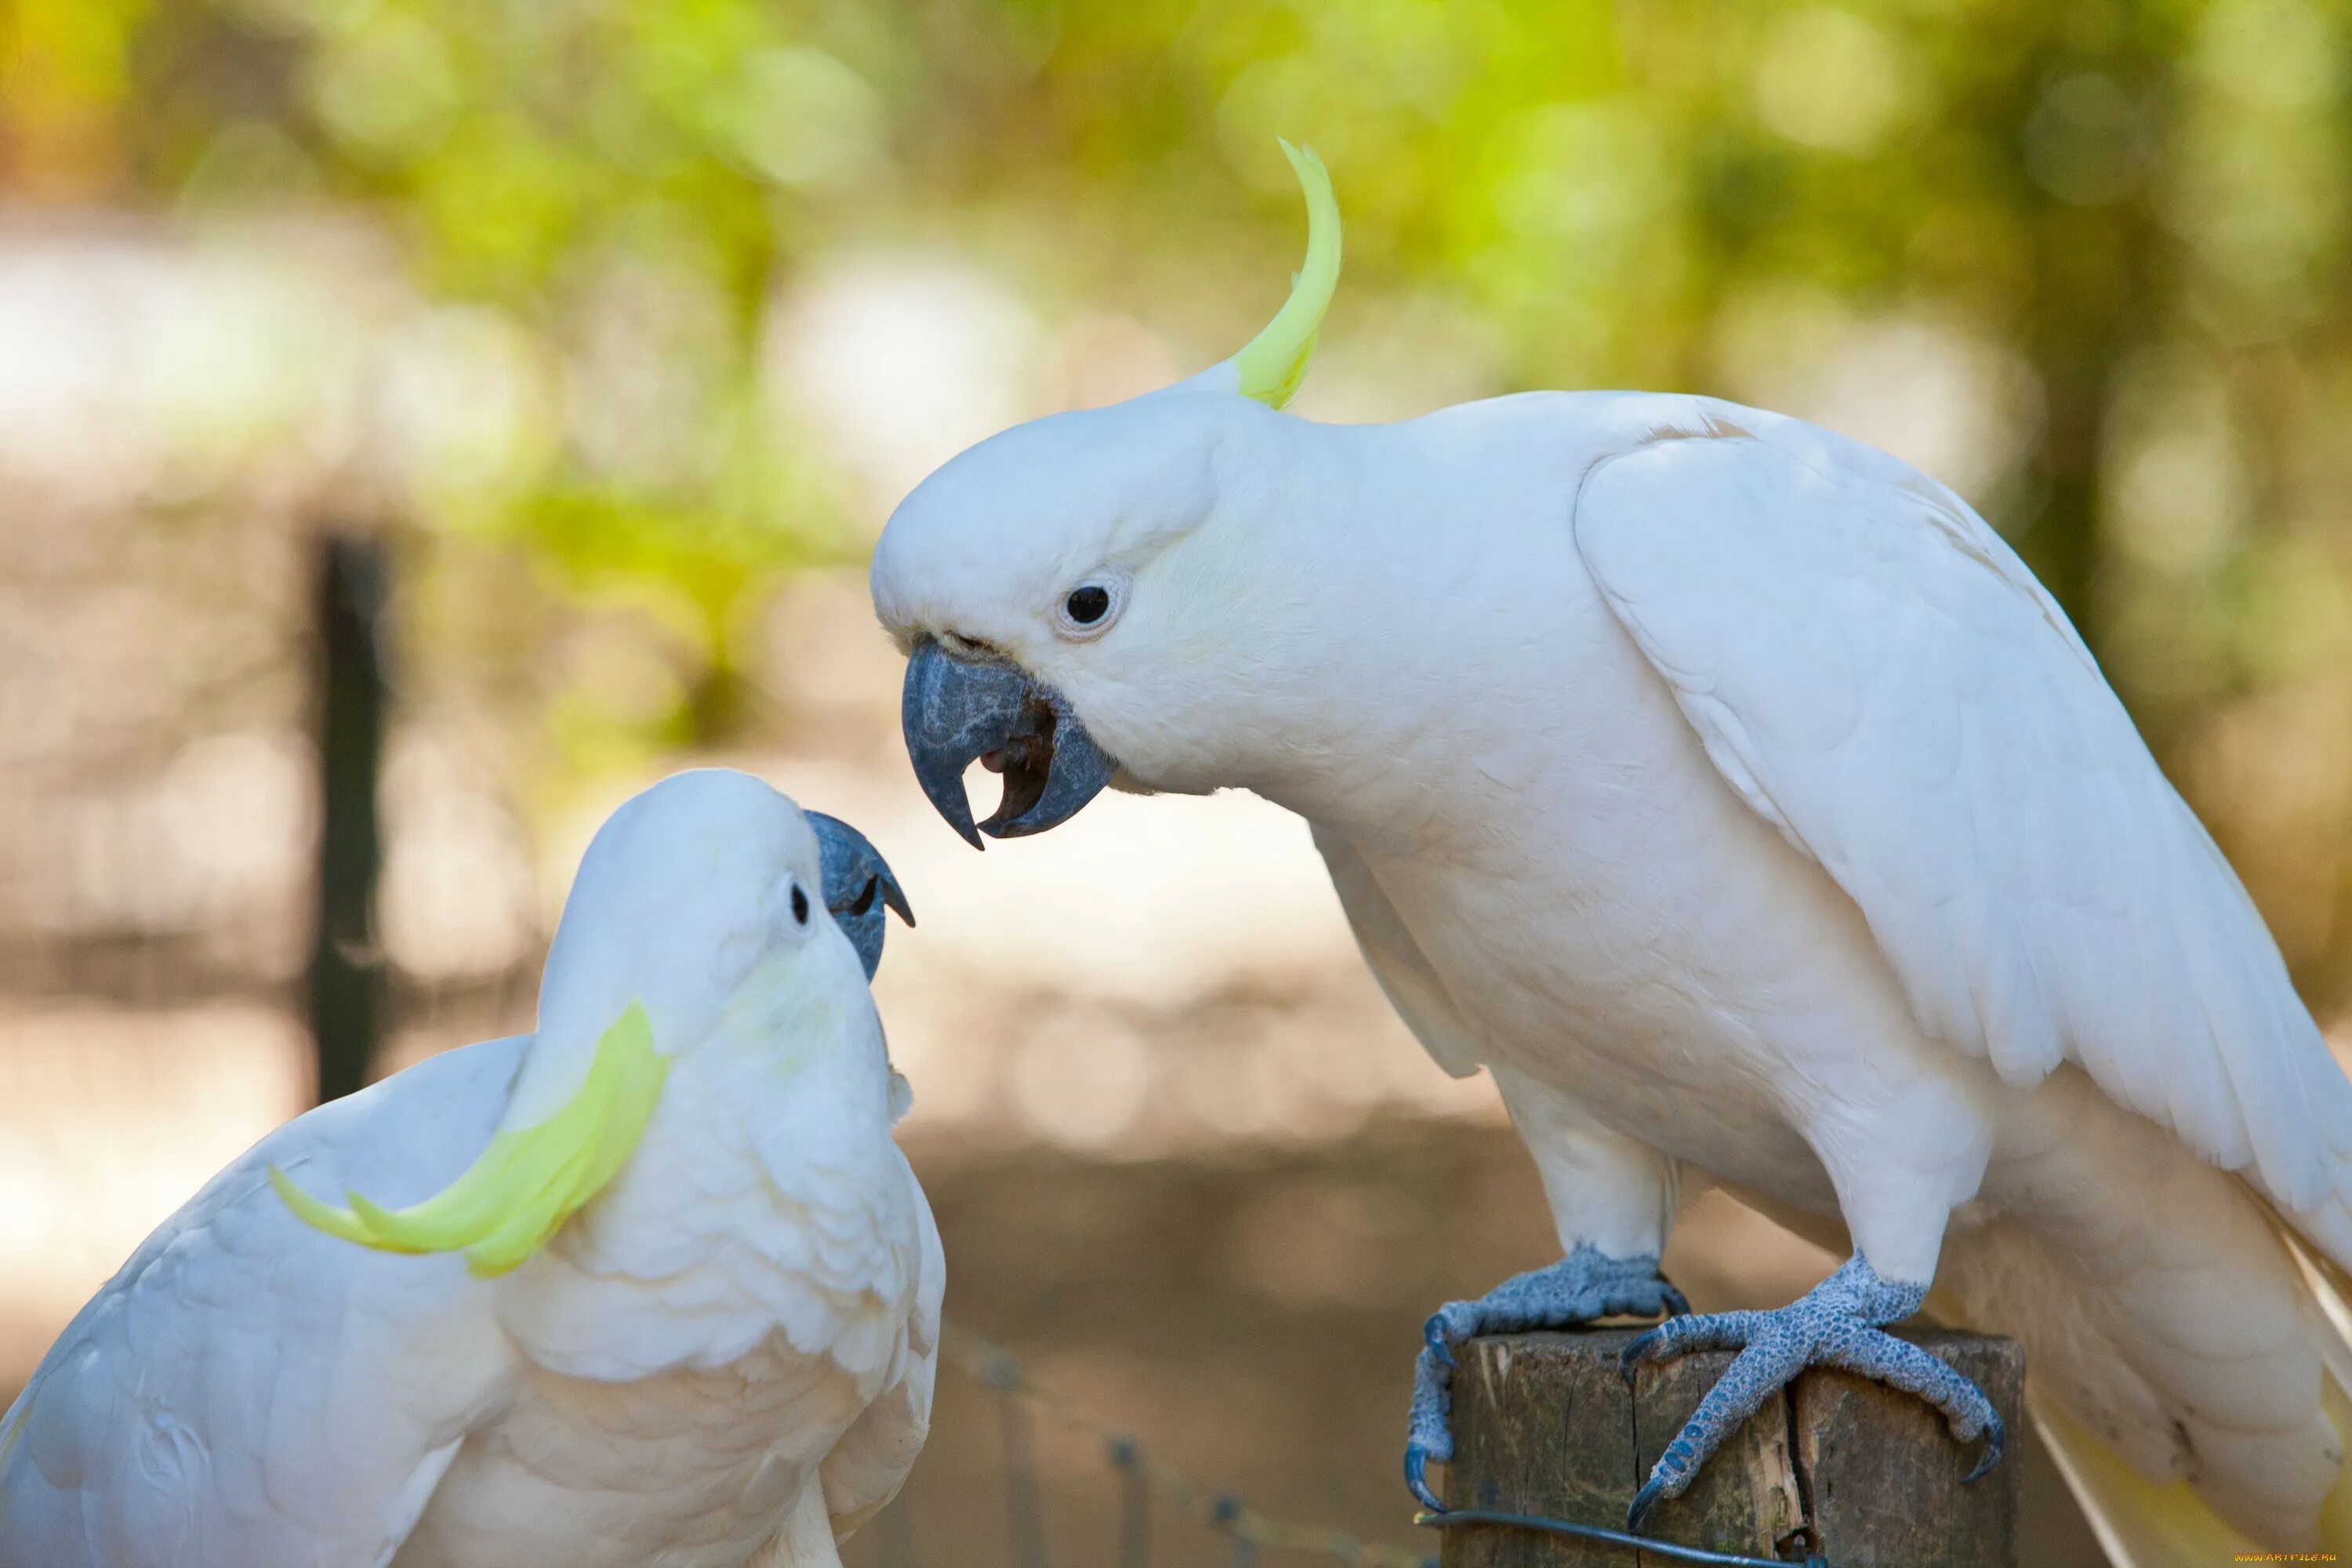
<point x="666" y="1291"/>
<point x="1732" y="794"/>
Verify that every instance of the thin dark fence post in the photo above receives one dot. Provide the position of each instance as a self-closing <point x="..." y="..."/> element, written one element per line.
<point x="1227" y="1511"/>
<point x="1022" y="1502"/>
<point x="1134" y="1502"/>
<point x="1024" y="1511"/>
<point x="353" y="694"/>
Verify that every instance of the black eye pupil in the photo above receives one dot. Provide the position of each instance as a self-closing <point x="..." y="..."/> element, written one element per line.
<point x="800" y="905"/>
<point x="1088" y="604"/>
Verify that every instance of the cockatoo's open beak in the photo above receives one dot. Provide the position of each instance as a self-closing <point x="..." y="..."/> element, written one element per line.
<point x="858" y="886"/>
<point x="958" y="709"/>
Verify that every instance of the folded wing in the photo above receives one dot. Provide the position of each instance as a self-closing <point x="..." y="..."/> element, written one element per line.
<point x="248" y="1390"/>
<point x="1877" y="673"/>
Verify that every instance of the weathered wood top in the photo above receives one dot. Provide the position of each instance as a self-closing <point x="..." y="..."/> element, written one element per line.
<point x="1546" y="1424"/>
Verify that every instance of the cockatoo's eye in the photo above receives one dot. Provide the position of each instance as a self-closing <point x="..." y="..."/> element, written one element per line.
<point x="800" y="905"/>
<point x="1089" y="609"/>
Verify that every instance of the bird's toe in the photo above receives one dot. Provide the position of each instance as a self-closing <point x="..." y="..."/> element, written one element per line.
<point x="1579" y="1288"/>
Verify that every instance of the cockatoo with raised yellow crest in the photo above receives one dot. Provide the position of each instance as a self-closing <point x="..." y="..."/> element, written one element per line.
<point x="1732" y="795"/>
<point x="652" y="1284"/>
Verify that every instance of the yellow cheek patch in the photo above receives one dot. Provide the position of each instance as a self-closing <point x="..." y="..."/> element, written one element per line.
<point x="530" y="1180"/>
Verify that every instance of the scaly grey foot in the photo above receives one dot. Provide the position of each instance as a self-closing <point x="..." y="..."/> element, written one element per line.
<point x="1836" y="1323"/>
<point x="1579" y="1288"/>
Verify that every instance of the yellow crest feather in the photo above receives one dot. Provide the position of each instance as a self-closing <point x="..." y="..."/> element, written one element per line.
<point x="1272" y="365"/>
<point x="530" y="1180"/>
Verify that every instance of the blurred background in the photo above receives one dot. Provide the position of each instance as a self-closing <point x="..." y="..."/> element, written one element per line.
<point x="421" y="422"/>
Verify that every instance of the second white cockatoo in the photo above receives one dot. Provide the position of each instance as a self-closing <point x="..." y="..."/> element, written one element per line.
<point x="652" y="1284"/>
<point x="1733" y="796"/>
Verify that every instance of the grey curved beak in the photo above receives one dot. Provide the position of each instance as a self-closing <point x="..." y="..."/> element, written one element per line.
<point x="858" y="886"/>
<point x="956" y="711"/>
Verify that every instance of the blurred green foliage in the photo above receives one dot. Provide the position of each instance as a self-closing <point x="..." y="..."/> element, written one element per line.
<point x="2134" y="212"/>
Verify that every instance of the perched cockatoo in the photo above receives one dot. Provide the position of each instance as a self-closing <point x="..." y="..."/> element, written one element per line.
<point x="665" y="1290"/>
<point x="1733" y="796"/>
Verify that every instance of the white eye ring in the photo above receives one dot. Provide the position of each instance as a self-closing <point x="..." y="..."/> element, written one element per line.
<point x="1103" y="593"/>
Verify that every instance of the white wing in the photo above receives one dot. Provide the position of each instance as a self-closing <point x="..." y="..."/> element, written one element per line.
<point x="866" y="1467"/>
<point x="248" y="1393"/>
<point x="1878" y="675"/>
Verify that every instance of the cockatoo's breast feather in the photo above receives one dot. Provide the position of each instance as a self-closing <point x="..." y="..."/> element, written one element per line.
<point x="766" y="1197"/>
<point x="863" y="1470"/>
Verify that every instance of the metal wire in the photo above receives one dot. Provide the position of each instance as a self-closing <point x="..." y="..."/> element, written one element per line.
<point x="1455" y="1518"/>
<point x="1251" y="1531"/>
<point x="1143" y="1476"/>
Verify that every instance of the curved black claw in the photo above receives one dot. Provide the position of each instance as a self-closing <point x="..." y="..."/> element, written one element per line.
<point x="1996" y="1445"/>
<point x="1636" y="1351"/>
<point x="1579" y="1288"/>
<point x="1416" y="1467"/>
<point x="1643" y="1501"/>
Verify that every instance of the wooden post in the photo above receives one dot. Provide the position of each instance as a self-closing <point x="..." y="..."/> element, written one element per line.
<point x="353" y="694"/>
<point x="1864" y="1476"/>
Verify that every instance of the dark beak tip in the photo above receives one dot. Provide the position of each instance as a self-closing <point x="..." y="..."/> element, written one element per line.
<point x="946" y="795"/>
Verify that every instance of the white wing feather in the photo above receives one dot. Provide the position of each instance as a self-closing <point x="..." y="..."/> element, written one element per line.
<point x="249" y="1391"/>
<point x="1878" y="674"/>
